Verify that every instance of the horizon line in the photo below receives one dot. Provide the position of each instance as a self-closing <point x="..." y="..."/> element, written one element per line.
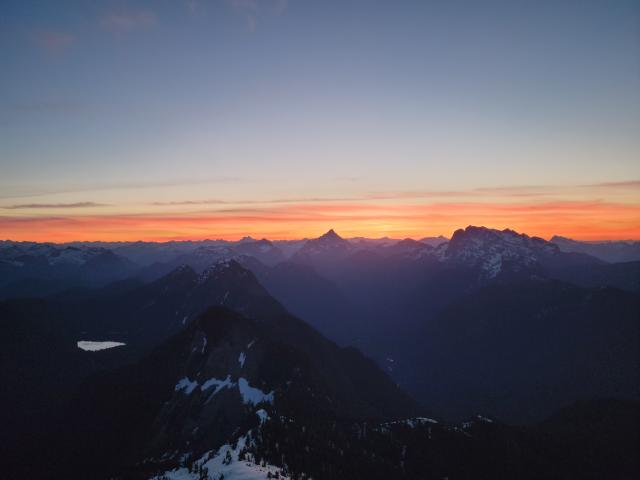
<point x="234" y="239"/>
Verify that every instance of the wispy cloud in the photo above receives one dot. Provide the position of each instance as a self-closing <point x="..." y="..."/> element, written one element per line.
<point x="508" y="193"/>
<point x="21" y="191"/>
<point x="27" y="206"/>
<point x="590" y="220"/>
<point x="252" y="202"/>
<point x="626" y="184"/>
<point x="45" y="106"/>
<point x="251" y="10"/>
<point x="128" y="21"/>
<point x="53" y="41"/>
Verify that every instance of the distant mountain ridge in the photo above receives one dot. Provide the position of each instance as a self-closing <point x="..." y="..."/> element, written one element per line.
<point x="144" y="253"/>
<point x="20" y="260"/>
<point x="27" y="267"/>
<point x="380" y="295"/>
<point x="610" y="251"/>
<point x="215" y="375"/>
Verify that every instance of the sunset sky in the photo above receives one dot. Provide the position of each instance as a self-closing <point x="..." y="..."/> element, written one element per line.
<point x="202" y="119"/>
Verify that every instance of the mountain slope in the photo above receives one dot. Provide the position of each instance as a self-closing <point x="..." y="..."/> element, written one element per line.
<point x="347" y="383"/>
<point x="194" y="392"/>
<point x="518" y="351"/>
<point x="304" y="292"/>
<point x="227" y="395"/>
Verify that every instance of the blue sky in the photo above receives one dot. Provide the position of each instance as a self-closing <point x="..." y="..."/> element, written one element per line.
<point x="134" y="103"/>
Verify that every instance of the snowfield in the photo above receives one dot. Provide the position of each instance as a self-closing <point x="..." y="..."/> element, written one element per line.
<point x="93" y="346"/>
<point x="253" y="395"/>
<point x="226" y="464"/>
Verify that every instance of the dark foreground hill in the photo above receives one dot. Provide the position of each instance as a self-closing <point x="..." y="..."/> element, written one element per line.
<point x="228" y="398"/>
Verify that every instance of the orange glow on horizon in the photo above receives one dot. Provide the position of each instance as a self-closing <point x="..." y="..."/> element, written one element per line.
<point x="581" y="220"/>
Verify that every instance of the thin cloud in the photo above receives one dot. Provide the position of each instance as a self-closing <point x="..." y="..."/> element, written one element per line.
<point x="26" y="191"/>
<point x="625" y="184"/>
<point x="123" y="22"/>
<point x="519" y="190"/>
<point x="190" y="202"/>
<point x="46" y="106"/>
<point x="253" y="202"/>
<point x="27" y="206"/>
<point x="53" y="41"/>
<point x="514" y="192"/>
<point x="251" y="10"/>
<point x="578" y="219"/>
<point x="376" y="196"/>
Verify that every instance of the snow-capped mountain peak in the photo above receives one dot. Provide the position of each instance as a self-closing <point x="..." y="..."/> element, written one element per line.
<point x="492" y="249"/>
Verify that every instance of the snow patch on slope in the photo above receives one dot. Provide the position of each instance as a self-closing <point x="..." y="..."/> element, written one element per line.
<point x="251" y="395"/>
<point x="187" y="385"/>
<point x="219" y="384"/>
<point x="262" y="415"/>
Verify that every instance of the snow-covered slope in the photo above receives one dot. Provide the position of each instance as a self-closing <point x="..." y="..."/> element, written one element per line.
<point x="500" y="251"/>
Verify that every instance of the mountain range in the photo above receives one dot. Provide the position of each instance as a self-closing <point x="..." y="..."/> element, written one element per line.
<point x="489" y="355"/>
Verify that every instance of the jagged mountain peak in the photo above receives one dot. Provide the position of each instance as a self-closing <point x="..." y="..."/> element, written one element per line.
<point x="493" y="250"/>
<point x="327" y="248"/>
<point x="330" y="235"/>
<point x="329" y="239"/>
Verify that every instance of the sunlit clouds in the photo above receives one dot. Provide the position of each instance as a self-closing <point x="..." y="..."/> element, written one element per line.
<point x="605" y="212"/>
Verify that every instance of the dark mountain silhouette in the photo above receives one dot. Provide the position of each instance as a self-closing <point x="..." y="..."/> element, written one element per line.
<point x="492" y="322"/>
<point x="518" y="351"/>
<point x="228" y="395"/>
<point x="147" y="316"/>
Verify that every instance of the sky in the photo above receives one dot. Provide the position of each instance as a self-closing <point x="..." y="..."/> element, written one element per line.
<point x="193" y="119"/>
